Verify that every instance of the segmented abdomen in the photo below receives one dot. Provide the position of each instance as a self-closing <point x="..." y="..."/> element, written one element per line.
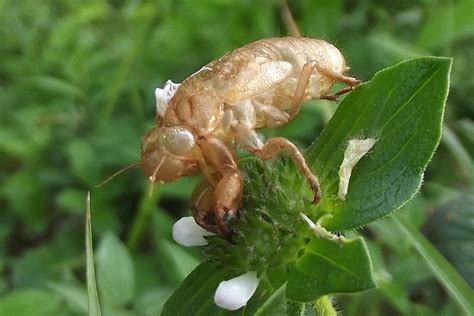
<point x="297" y="52"/>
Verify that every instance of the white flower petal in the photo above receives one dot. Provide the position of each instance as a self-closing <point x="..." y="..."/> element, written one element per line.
<point x="235" y="293"/>
<point x="187" y="233"/>
<point x="355" y="150"/>
<point x="308" y="221"/>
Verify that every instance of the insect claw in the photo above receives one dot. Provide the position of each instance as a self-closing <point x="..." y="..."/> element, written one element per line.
<point x="223" y="216"/>
<point x="317" y="197"/>
<point x="315" y="188"/>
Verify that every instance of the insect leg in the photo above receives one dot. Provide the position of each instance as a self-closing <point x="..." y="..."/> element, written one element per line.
<point x="350" y="81"/>
<point x="270" y="114"/>
<point x="227" y="194"/>
<point x="274" y="146"/>
<point x="303" y="82"/>
<point x="201" y="205"/>
<point x="333" y="97"/>
<point x="207" y="172"/>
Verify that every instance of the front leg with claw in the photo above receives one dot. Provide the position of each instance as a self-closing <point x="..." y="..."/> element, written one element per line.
<point x="214" y="205"/>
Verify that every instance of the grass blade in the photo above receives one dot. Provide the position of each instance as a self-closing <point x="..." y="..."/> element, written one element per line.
<point x="459" y="153"/>
<point x="93" y="297"/>
<point x="456" y="286"/>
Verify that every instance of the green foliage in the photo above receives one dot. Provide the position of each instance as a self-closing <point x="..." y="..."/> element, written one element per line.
<point x="194" y="293"/>
<point x="454" y="283"/>
<point x="76" y="94"/>
<point x="115" y="271"/>
<point x="451" y="230"/>
<point x="326" y="267"/>
<point x="30" y="302"/>
<point x="393" y="169"/>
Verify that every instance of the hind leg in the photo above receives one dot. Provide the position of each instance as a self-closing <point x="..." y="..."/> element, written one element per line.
<point x="350" y="81"/>
<point x="334" y="96"/>
<point x="305" y="78"/>
<point x="249" y="139"/>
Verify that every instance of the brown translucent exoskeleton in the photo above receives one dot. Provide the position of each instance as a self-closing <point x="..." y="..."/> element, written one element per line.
<point x="261" y="84"/>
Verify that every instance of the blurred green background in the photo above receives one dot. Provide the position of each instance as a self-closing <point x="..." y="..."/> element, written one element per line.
<point x="76" y="94"/>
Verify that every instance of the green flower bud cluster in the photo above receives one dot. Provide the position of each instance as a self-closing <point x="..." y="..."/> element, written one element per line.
<point x="268" y="231"/>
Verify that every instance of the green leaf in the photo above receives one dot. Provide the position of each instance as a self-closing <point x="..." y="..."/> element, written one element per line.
<point x="271" y="301"/>
<point x="152" y="301"/>
<point x="195" y="291"/>
<point x="27" y="302"/>
<point x="75" y="295"/>
<point x="325" y="267"/>
<point x="115" y="271"/>
<point x="179" y="261"/>
<point x="93" y="297"/>
<point x="195" y="296"/>
<point x="276" y="304"/>
<point x="457" y="287"/>
<point x="177" y="257"/>
<point x="391" y="173"/>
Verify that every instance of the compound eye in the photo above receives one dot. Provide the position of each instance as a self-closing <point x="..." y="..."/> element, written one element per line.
<point x="178" y="141"/>
<point x="149" y="139"/>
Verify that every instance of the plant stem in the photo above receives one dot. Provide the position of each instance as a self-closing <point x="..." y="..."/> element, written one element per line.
<point x="456" y="286"/>
<point x="141" y="220"/>
<point x="459" y="153"/>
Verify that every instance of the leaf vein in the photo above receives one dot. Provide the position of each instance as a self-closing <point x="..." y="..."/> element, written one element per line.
<point x="411" y="98"/>
<point x="337" y="265"/>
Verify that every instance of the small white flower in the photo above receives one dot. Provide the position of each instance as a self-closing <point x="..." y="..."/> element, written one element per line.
<point x="355" y="150"/>
<point x="235" y="293"/>
<point x="187" y="233"/>
<point x="163" y="96"/>
<point x="308" y="221"/>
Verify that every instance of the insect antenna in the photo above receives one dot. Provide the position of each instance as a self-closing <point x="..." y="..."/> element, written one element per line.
<point x="130" y="166"/>
<point x="153" y="176"/>
<point x="289" y="20"/>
